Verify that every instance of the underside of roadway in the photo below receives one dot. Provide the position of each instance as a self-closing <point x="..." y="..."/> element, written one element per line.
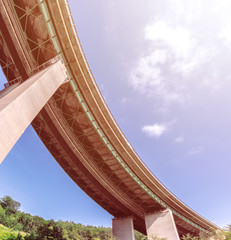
<point x="75" y="125"/>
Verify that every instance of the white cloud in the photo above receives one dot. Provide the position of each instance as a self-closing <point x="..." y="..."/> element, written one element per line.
<point x="196" y="150"/>
<point x="179" y="140"/>
<point x="175" y="54"/>
<point x="225" y="35"/>
<point x="189" y="10"/>
<point x="178" y="38"/>
<point x="146" y="76"/>
<point x="181" y="43"/>
<point x="196" y="57"/>
<point x="124" y="100"/>
<point x="155" y="130"/>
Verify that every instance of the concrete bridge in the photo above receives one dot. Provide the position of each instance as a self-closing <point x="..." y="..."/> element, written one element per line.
<point x="50" y="86"/>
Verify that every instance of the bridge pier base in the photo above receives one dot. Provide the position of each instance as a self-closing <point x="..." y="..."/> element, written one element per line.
<point x="161" y="225"/>
<point x="20" y="106"/>
<point x="123" y="229"/>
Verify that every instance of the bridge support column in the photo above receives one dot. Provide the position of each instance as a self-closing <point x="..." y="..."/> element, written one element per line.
<point x="161" y="225"/>
<point x="20" y="106"/>
<point x="123" y="229"/>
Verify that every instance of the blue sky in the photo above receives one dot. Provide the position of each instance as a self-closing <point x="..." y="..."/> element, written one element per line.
<point x="163" y="69"/>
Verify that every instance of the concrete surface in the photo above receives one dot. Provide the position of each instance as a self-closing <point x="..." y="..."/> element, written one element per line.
<point x="123" y="229"/>
<point x="19" y="107"/>
<point x="161" y="225"/>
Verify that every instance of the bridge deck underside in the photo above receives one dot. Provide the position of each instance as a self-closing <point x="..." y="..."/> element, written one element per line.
<point x="64" y="126"/>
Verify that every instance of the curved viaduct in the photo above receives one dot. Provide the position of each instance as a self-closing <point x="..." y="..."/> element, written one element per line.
<point x="76" y="125"/>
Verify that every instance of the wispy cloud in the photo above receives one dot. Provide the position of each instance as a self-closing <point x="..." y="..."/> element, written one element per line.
<point x="155" y="130"/>
<point x="183" y="45"/>
<point x="225" y="35"/>
<point x="125" y="100"/>
<point x="146" y="77"/>
<point x="174" y="50"/>
<point x="178" y="38"/>
<point x="196" y="150"/>
<point x="177" y="59"/>
<point x="188" y="50"/>
<point x="179" y="140"/>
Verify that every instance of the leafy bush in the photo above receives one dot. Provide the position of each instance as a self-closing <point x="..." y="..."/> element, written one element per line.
<point x="9" y="234"/>
<point x="23" y="226"/>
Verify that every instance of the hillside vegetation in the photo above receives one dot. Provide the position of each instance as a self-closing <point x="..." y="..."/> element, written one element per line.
<point x="17" y="225"/>
<point x="6" y="233"/>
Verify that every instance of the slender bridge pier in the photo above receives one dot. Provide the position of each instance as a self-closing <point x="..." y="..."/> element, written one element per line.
<point x="75" y="124"/>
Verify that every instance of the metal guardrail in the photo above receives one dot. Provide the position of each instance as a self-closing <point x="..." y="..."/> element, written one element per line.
<point x="9" y="87"/>
<point x="19" y="80"/>
<point x="13" y="81"/>
<point x="45" y="65"/>
<point x="34" y="71"/>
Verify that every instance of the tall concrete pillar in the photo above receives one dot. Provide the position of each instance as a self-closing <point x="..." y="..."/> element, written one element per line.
<point x="20" y="106"/>
<point x="123" y="229"/>
<point x="161" y="225"/>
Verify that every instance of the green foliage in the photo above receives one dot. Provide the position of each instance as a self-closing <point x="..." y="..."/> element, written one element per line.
<point x="218" y="235"/>
<point x="2" y="215"/>
<point x="79" y="231"/>
<point x="227" y="232"/>
<point x="9" y="205"/>
<point x="36" y="228"/>
<point x="23" y="226"/>
<point x="154" y="237"/>
<point x="140" y="236"/>
<point x="9" y="234"/>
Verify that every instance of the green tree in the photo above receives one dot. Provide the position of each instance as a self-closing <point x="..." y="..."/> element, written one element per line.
<point x="3" y="216"/>
<point x="215" y="235"/>
<point x="32" y="236"/>
<point x="50" y="230"/>
<point x="227" y="232"/>
<point x="11" y="206"/>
